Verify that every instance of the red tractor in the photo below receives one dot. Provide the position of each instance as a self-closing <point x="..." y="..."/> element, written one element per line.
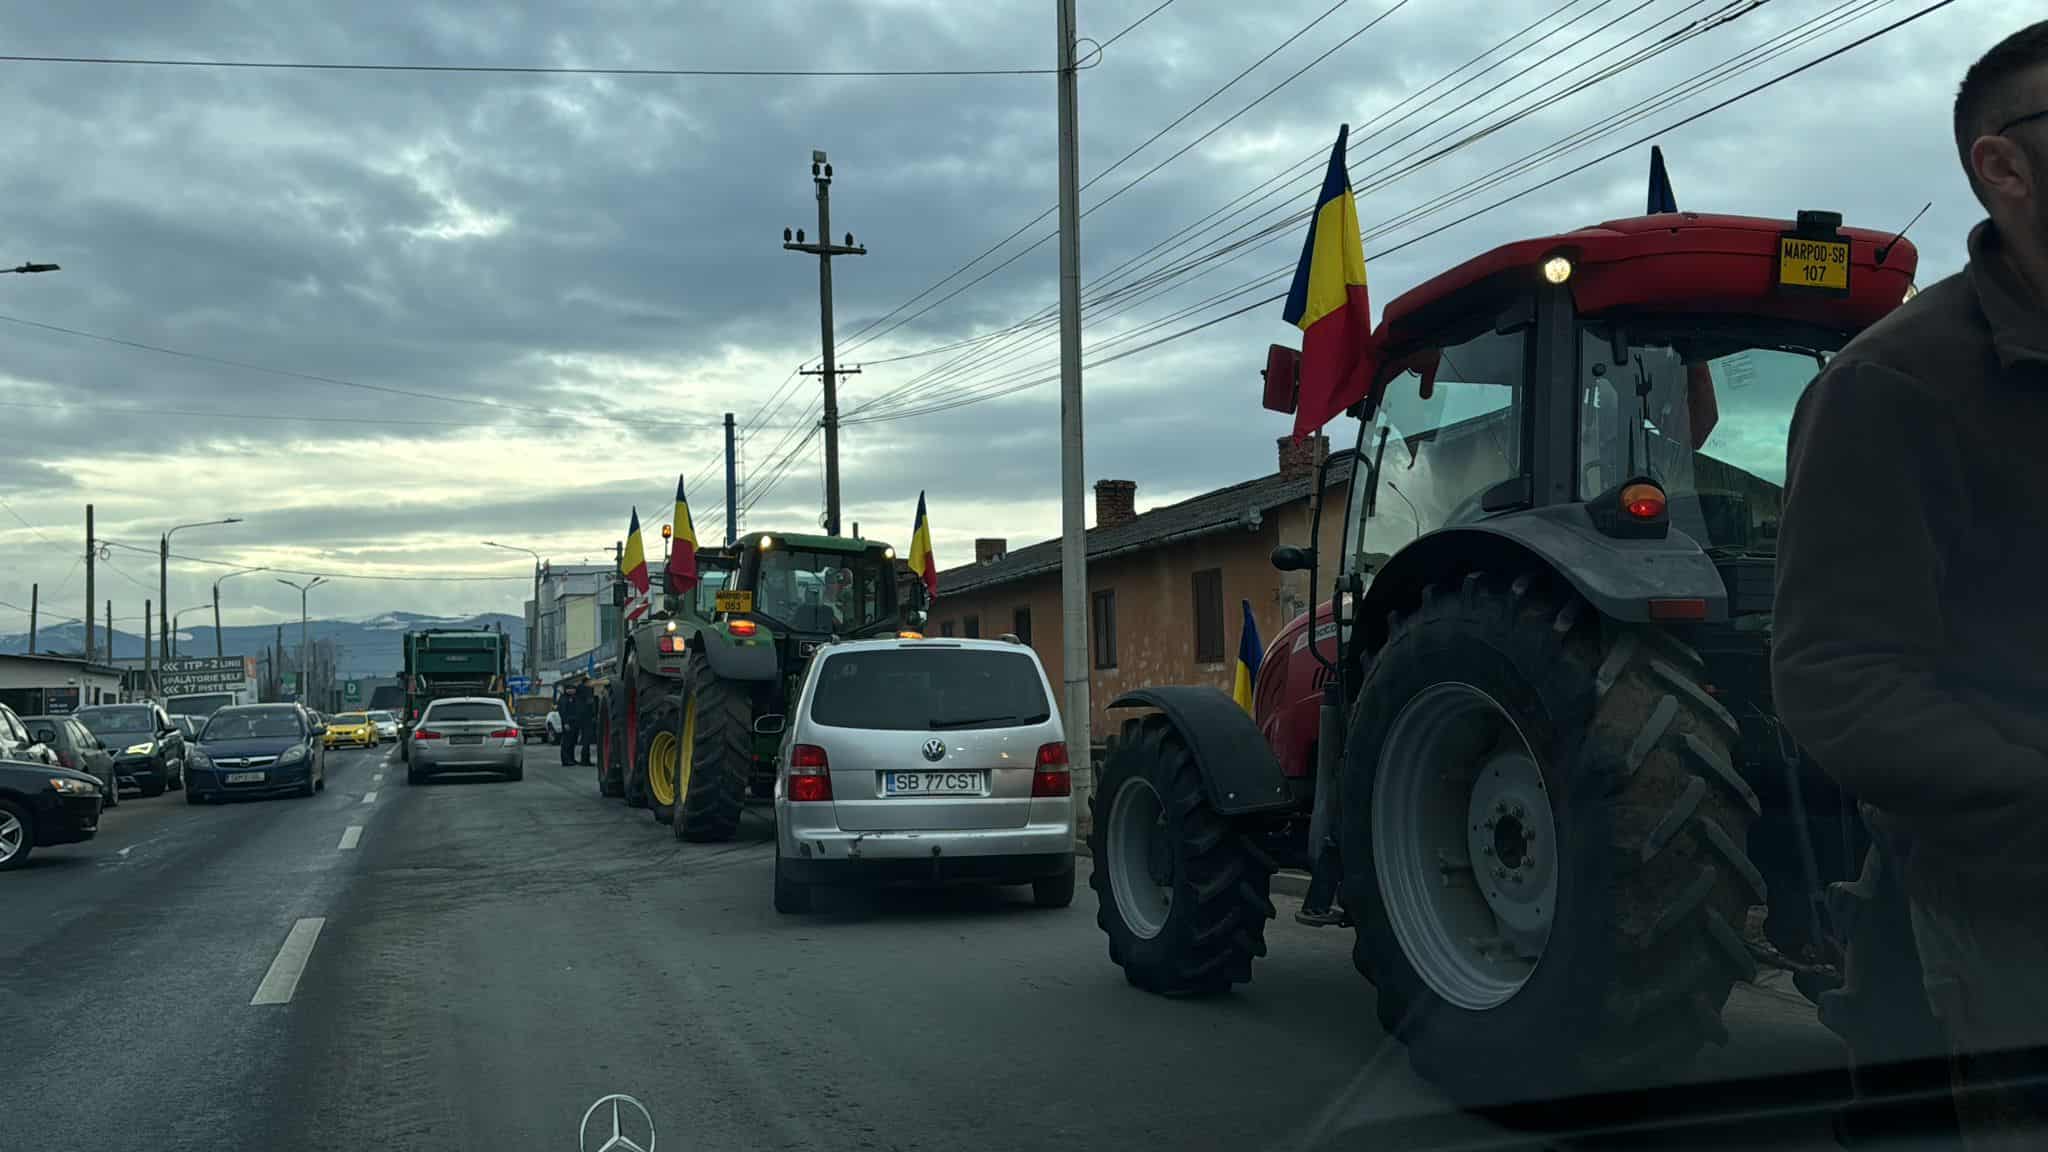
<point x="1527" y="747"/>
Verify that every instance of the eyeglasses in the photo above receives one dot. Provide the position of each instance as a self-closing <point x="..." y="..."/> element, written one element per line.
<point x="2030" y="117"/>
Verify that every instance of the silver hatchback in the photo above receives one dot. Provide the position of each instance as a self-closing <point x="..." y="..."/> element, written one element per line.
<point x="924" y="762"/>
<point x="466" y="734"/>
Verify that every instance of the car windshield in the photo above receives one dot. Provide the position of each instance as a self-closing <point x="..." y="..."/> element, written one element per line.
<point x="352" y="719"/>
<point x="1703" y="410"/>
<point x="819" y="591"/>
<point x="922" y="687"/>
<point x="229" y="724"/>
<point x="466" y="710"/>
<point x="118" y="721"/>
<point x="383" y="717"/>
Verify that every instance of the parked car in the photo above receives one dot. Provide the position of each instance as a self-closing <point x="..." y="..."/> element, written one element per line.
<point x="77" y="749"/>
<point x="42" y="805"/>
<point x="387" y="724"/>
<point x="17" y="744"/>
<point x="914" y="761"/>
<point x="149" y="750"/>
<point x="532" y="714"/>
<point x="354" y="729"/>
<point x="257" y="750"/>
<point x="466" y="734"/>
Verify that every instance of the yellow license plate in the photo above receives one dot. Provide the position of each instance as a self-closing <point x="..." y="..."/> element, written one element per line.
<point x="1817" y="264"/>
<point x="741" y="601"/>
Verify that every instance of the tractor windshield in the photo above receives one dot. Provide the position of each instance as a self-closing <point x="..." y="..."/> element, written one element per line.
<point x="1706" y="412"/>
<point x="820" y="591"/>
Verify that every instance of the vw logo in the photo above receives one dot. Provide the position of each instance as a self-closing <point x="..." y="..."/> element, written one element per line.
<point x="630" y="1125"/>
<point x="935" y="749"/>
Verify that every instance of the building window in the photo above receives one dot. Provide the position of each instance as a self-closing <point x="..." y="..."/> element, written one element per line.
<point x="1020" y="625"/>
<point x="946" y="629"/>
<point x="970" y="627"/>
<point x="1209" y="616"/>
<point x="1104" y="628"/>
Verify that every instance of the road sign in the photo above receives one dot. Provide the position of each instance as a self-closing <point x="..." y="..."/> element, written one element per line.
<point x="291" y="682"/>
<point x="519" y="685"/>
<point x="351" y="691"/>
<point x="186" y="677"/>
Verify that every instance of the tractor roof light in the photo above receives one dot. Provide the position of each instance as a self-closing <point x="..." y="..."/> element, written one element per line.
<point x="1557" y="269"/>
<point x="1642" y="501"/>
<point x="888" y="553"/>
<point x="767" y="542"/>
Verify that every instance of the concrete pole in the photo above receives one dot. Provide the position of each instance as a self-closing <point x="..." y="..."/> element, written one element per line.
<point x="217" y="653"/>
<point x="148" y="689"/>
<point x="1075" y="660"/>
<point x="35" y="592"/>
<point x="163" y="591"/>
<point x="89" y="550"/>
<point x="828" y="376"/>
<point x="732" y="503"/>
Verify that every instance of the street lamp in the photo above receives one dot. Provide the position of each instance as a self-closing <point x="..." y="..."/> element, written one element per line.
<point x="30" y="267"/>
<point x="163" y="579"/>
<point x="175" y="625"/>
<point x="532" y="625"/>
<point x="308" y="586"/>
<point x="217" y="652"/>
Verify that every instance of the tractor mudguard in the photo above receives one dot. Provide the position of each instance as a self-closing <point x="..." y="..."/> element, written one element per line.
<point x="1238" y="770"/>
<point x="730" y="661"/>
<point x="1619" y="577"/>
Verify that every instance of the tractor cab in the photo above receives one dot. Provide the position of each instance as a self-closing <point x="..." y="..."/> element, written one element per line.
<point x="817" y="586"/>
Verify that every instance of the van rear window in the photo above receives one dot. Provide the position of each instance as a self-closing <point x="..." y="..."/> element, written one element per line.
<point x="913" y="689"/>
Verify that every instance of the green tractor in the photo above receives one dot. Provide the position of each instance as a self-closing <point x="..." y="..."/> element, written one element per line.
<point x="707" y="683"/>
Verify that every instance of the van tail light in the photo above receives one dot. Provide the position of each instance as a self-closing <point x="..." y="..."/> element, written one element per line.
<point x="810" y="781"/>
<point x="1051" y="777"/>
<point x="505" y="734"/>
<point x="426" y="734"/>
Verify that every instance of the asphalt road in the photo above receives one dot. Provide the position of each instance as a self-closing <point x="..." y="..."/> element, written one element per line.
<point x="492" y="957"/>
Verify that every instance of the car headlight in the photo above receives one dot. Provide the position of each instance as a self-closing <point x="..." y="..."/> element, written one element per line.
<point x="195" y="758"/>
<point x="293" y="755"/>
<point x="142" y="749"/>
<point x="74" y="787"/>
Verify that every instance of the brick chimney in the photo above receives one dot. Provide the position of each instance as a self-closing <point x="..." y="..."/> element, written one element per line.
<point x="988" y="549"/>
<point x="1116" y="502"/>
<point x="1298" y="458"/>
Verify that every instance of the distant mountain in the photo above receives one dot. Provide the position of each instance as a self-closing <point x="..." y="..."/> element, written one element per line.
<point x="364" y="647"/>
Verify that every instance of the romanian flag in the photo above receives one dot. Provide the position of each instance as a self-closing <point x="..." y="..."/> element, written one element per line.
<point x="1250" y="653"/>
<point x="682" y="548"/>
<point x="1328" y="303"/>
<point x="633" y="566"/>
<point x="922" y="564"/>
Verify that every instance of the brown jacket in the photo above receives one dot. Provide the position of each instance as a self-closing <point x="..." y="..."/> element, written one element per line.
<point x="1911" y="652"/>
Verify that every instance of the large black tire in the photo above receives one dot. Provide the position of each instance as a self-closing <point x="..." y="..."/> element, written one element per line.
<point x="1215" y="920"/>
<point x="1650" y="819"/>
<point x="626" y="742"/>
<point x="722" y="752"/>
<point x="611" y="764"/>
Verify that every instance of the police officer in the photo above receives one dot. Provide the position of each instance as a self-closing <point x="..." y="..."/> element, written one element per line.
<point x="1911" y="649"/>
<point x="565" y="707"/>
<point x="586" y="712"/>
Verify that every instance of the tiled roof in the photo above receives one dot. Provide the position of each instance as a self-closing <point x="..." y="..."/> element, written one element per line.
<point x="1210" y="510"/>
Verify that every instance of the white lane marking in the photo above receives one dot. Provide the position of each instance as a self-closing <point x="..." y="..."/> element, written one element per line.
<point x="376" y="777"/>
<point x="127" y="850"/>
<point x="283" y="978"/>
<point x="370" y="797"/>
<point x="349" y="836"/>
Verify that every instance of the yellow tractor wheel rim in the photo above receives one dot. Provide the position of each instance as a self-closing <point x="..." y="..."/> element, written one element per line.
<point x="661" y="768"/>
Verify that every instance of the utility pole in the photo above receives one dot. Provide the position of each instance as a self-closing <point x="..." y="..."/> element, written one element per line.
<point x="732" y="503"/>
<point x="147" y="690"/>
<point x="35" y="592"/>
<point x="1074" y="653"/>
<point x="110" y="631"/>
<point x="277" y="663"/>
<point x="304" y="651"/>
<point x="163" y="592"/>
<point x="89" y="550"/>
<point x="825" y="250"/>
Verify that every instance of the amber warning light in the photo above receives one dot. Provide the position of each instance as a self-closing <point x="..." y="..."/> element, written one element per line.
<point x="1643" y="501"/>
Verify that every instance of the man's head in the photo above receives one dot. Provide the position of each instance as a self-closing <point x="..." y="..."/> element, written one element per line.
<point x="2001" y="125"/>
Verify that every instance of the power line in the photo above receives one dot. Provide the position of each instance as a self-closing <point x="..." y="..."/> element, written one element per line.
<point x="316" y="378"/>
<point x="532" y="70"/>
<point x="1629" y="147"/>
<point x="128" y="410"/>
<point x="425" y="578"/>
<point x="1130" y="28"/>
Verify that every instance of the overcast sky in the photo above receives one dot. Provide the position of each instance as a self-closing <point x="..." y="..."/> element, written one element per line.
<point x="589" y="271"/>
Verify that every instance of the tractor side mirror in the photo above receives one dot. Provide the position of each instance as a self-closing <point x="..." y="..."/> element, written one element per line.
<point x="1289" y="558"/>
<point x="1282" y="374"/>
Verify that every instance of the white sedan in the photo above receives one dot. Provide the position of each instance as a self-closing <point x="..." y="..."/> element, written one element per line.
<point x="386" y="725"/>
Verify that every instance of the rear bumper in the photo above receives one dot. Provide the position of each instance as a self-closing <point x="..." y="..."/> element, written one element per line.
<point x="993" y="856"/>
<point x="432" y="757"/>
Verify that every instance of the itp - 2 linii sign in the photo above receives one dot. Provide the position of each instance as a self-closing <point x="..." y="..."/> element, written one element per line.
<point x="184" y="677"/>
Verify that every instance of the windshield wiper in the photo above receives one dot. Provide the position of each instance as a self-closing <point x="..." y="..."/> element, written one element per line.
<point x="959" y="722"/>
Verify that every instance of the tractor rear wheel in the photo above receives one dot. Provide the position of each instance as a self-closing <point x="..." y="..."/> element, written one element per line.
<point x="1543" y="845"/>
<point x="1181" y="893"/>
<point x="660" y="756"/>
<point x="611" y="768"/>
<point x="718" y="733"/>
<point x="633" y="766"/>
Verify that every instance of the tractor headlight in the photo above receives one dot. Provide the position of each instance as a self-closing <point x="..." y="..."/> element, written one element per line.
<point x="1557" y="269"/>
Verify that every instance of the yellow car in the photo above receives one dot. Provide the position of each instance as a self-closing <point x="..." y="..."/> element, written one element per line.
<point x="352" y="729"/>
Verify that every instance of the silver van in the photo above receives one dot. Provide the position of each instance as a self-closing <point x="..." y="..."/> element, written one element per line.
<point x="914" y="761"/>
